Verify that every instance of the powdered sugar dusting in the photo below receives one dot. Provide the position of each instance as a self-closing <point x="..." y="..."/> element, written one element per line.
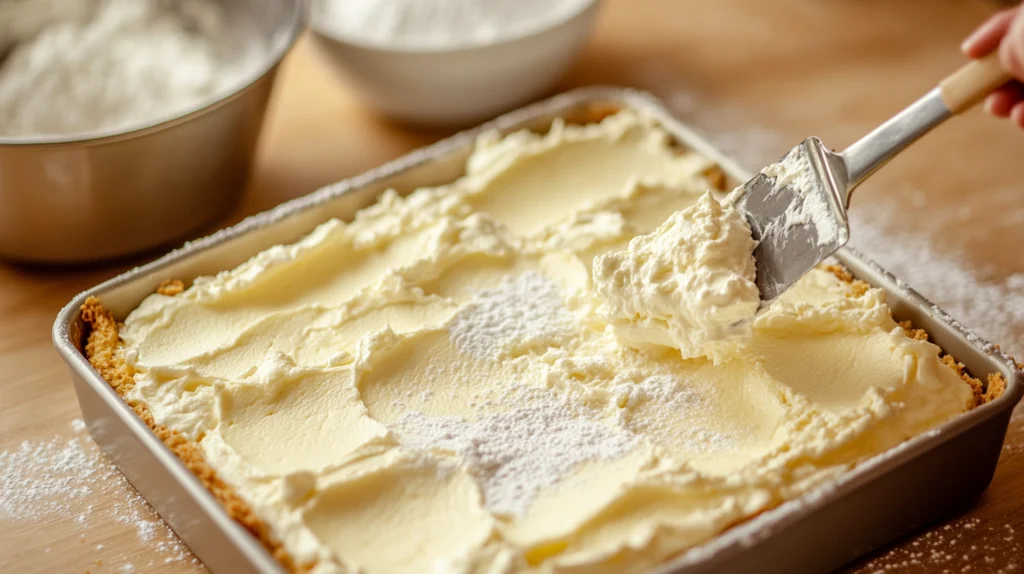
<point x="67" y="475"/>
<point x="518" y="314"/>
<point x="732" y="130"/>
<point x="995" y="310"/>
<point x="809" y="206"/>
<point x="686" y="402"/>
<point x="516" y="453"/>
<point x="65" y="480"/>
<point x="964" y="545"/>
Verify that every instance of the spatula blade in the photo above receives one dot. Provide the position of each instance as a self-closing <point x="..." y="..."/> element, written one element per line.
<point x="797" y="214"/>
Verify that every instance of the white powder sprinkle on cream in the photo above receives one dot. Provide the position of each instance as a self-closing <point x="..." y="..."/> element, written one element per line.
<point x="514" y="317"/>
<point x="685" y="401"/>
<point x="517" y="453"/>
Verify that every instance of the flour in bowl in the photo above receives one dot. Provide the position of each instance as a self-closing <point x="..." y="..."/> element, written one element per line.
<point x="78" y="66"/>
<point x="439" y="24"/>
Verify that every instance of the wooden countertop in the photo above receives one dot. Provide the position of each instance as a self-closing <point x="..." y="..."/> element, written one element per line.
<point x="759" y="75"/>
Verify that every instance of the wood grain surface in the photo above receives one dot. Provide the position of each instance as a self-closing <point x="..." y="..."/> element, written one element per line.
<point x="758" y="75"/>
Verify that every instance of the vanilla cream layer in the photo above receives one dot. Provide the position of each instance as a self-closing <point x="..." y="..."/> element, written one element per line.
<point x="689" y="284"/>
<point x="430" y="387"/>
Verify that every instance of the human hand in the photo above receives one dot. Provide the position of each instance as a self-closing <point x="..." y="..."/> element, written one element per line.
<point x="1003" y="31"/>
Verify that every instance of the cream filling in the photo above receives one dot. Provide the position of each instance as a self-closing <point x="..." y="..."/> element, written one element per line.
<point x="430" y="387"/>
<point x="689" y="284"/>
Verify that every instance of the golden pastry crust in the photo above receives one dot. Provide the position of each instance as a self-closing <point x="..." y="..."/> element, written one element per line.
<point x="716" y="177"/>
<point x="171" y="287"/>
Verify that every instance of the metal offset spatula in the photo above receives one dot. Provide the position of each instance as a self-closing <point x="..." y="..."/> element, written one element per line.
<point x="797" y="207"/>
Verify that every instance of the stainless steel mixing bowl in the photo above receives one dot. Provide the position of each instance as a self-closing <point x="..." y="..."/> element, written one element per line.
<point x="94" y="196"/>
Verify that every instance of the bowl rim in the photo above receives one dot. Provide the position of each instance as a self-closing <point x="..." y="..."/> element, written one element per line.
<point x="525" y="34"/>
<point x="295" y="25"/>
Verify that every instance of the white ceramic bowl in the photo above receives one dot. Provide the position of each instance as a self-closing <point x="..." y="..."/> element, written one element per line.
<point x="456" y="86"/>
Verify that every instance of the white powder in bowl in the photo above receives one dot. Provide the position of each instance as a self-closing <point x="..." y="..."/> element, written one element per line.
<point x="438" y="24"/>
<point x="78" y="66"/>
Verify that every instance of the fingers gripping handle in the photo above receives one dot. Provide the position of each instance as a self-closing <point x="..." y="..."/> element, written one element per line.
<point x="967" y="86"/>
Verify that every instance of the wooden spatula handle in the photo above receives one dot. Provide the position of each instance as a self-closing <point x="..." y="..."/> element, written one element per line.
<point x="972" y="82"/>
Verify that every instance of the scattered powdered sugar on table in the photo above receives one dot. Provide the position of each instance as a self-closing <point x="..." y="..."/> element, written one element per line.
<point x="25" y="492"/>
<point x="993" y="310"/>
<point x="731" y="129"/>
<point x="516" y="453"/>
<point x="62" y="480"/>
<point x="519" y="313"/>
<point x="965" y="545"/>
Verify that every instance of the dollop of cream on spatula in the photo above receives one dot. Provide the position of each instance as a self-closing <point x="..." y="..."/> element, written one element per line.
<point x="688" y="285"/>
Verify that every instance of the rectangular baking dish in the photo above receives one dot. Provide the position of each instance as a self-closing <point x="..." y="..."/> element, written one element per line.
<point x="911" y="485"/>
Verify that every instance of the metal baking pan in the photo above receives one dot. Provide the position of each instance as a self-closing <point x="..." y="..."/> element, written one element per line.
<point x="917" y="482"/>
